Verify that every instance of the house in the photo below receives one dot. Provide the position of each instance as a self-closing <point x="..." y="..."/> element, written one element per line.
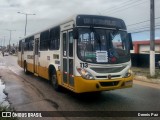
<point x="143" y="47"/>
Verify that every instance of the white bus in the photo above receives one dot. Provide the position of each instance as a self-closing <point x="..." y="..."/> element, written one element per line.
<point x="86" y="53"/>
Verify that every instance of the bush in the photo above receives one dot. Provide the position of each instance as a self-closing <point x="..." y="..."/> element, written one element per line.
<point x="6" y="109"/>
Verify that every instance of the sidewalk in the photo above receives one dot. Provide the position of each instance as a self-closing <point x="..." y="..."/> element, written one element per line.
<point x="143" y="74"/>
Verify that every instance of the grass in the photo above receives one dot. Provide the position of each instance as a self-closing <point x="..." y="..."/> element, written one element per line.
<point x="6" y="109"/>
<point x="146" y="72"/>
<point x="157" y="75"/>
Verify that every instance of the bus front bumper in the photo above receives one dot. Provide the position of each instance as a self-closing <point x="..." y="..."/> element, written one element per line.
<point x="83" y="85"/>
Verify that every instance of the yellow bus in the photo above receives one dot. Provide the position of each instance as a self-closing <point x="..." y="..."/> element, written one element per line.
<point x="86" y="53"/>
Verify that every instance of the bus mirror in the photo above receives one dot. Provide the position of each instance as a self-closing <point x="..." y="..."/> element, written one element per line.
<point x="75" y="33"/>
<point x="130" y="41"/>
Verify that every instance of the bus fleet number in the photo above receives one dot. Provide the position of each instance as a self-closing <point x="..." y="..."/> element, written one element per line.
<point x="84" y="65"/>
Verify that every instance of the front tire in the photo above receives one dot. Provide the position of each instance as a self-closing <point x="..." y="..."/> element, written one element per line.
<point x="54" y="82"/>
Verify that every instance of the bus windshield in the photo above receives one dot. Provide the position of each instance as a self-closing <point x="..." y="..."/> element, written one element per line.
<point x="103" y="46"/>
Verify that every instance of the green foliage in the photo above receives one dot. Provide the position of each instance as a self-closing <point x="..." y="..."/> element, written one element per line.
<point x="6" y="109"/>
<point x="146" y="72"/>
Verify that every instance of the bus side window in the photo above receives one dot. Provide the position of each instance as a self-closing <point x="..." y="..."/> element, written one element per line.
<point x="44" y="40"/>
<point x="31" y="39"/>
<point x="54" y="38"/>
<point x="26" y="44"/>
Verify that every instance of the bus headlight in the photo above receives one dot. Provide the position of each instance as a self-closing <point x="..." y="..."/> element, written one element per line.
<point x="85" y="74"/>
<point x="128" y="74"/>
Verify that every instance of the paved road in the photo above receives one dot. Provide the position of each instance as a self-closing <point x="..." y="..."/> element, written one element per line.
<point x="30" y="93"/>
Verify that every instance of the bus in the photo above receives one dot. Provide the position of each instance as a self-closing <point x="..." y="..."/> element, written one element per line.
<point x="87" y="53"/>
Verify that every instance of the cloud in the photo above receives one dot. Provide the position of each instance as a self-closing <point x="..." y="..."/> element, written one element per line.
<point x="50" y="12"/>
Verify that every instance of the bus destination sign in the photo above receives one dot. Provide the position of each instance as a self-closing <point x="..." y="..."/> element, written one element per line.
<point x="100" y="21"/>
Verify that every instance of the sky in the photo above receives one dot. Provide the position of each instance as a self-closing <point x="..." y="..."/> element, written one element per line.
<point x="135" y="13"/>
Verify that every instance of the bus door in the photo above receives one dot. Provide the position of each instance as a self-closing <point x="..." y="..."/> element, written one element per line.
<point x="68" y="58"/>
<point x="36" y="55"/>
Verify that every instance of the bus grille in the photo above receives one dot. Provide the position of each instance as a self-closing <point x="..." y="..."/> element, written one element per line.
<point x="108" y="70"/>
<point x="112" y="76"/>
<point x="105" y="84"/>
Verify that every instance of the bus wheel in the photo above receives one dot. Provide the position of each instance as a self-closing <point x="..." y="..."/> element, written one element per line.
<point x="25" y="68"/>
<point x="55" y="82"/>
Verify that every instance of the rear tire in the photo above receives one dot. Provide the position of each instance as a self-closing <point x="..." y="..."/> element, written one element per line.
<point x="54" y="81"/>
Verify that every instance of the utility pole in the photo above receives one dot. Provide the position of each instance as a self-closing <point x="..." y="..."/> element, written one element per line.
<point x="1" y="43"/>
<point x="4" y="41"/>
<point x="10" y="31"/>
<point x="26" y="14"/>
<point x="152" y="38"/>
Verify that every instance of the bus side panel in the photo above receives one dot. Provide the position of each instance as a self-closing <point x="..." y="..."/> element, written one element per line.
<point x="43" y="72"/>
<point x="29" y="60"/>
<point x="30" y="67"/>
<point x="47" y="58"/>
<point x="59" y="78"/>
<point x="43" y="64"/>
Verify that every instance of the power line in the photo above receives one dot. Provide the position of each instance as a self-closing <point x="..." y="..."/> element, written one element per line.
<point x="144" y="27"/>
<point x="110" y="9"/>
<point x="128" y="3"/>
<point x="139" y="26"/>
<point x="125" y="7"/>
<point x="117" y="11"/>
<point x="142" y="22"/>
<point x="134" y="3"/>
<point x="144" y="30"/>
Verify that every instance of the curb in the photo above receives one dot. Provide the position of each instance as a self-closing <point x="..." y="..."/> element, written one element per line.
<point x="145" y="79"/>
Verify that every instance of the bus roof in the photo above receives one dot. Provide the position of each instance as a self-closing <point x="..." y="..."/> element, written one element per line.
<point x="89" y="20"/>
